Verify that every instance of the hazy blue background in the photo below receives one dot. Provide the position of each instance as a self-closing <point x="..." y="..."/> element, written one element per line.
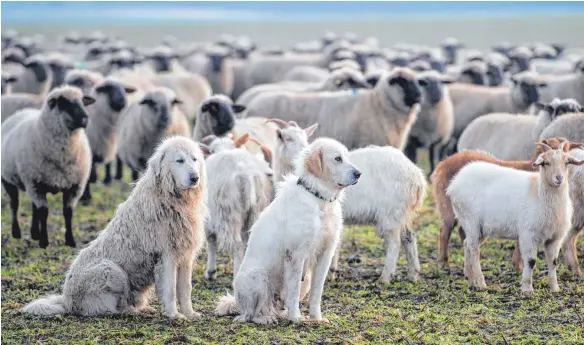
<point x="480" y="24"/>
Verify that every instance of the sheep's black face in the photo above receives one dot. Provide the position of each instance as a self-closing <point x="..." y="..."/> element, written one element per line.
<point x="222" y="116"/>
<point x="94" y="53"/>
<point x="59" y="71"/>
<point x="438" y="65"/>
<point x="399" y="62"/>
<point x="529" y="92"/>
<point x="494" y="74"/>
<point x="361" y="59"/>
<point x="373" y="80"/>
<point x="161" y="110"/>
<point x="123" y="63"/>
<point x="216" y="62"/>
<point x="450" y="51"/>
<point x="162" y="63"/>
<point x="242" y="53"/>
<point x="74" y="112"/>
<point x="521" y="62"/>
<point x="116" y="95"/>
<point x="410" y="89"/>
<point x="14" y="58"/>
<point x="475" y="77"/>
<point x="40" y="70"/>
<point x="432" y="90"/>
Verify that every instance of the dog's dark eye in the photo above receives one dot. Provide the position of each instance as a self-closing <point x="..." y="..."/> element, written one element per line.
<point x="338" y="159"/>
<point x="194" y="159"/>
<point x="180" y="160"/>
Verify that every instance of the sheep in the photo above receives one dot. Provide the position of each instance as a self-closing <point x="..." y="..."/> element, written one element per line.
<point x="537" y="210"/>
<point x="435" y="123"/>
<point x="380" y="116"/>
<point x="47" y="151"/>
<point x="565" y="86"/>
<point x="241" y="78"/>
<point x="520" y="59"/>
<point x="83" y="79"/>
<point x="511" y="136"/>
<point x="217" y="117"/>
<point x="473" y="72"/>
<point x="7" y="81"/>
<point x="577" y="195"/>
<point x="570" y="126"/>
<point x="265" y="69"/>
<point x="35" y="78"/>
<point x="239" y="190"/>
<point x="101" y="131"/>
<point x="472" y="101"/>
<point x="447" y="169"/>
<point x="59" y="64"/>
<point x="450" y="47"/>
<point x="335" y="65"/>
<point x="341" y="79"/>
<point x="147" y="122"/>
<point x="311" y="74"/>
<point x="163" y="59"/>
<point x="390" y="204"/>
<point x="495" y="74"/>
<point x="214" y="66"/>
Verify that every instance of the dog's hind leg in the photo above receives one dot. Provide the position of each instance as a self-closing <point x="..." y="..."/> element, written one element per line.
<point x="408" y="240"/>
<point x="184" y="287"/>
<point x="211" y="270"/>
<point x="392" y="238"/>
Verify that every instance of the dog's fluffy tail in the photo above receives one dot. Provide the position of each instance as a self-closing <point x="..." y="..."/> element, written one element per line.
<point x="226" y="306"/>
<point x="49" y="305"/>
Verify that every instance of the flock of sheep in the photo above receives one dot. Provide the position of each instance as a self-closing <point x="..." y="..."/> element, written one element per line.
<point x="503" y="128"/>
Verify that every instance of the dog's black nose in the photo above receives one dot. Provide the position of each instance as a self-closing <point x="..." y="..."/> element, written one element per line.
<point x="194" y="179"/>
<point x="357" y="174"/>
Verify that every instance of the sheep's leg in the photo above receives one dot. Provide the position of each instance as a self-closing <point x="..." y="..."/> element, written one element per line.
<point x="184" y="287"/>
<point x="93" y="174"/>
<point x="445" y="234"/>
<point x="528" y="252"/>
<point x="432" y="156"/>
<point x="119" y="168"/>
<point x="165" y="281"/>
<point x="293" y="267"/>
<point x="319" y="276"/>
<point x="12" y="191"/>
<point x="43" y="214"/>
<point x="34" y="223"/>
<point x="68" y="215"/>
<point x="516" y="259"/>
<point x="135" y="175"/>
<point x="211" y="269"/>
<point x="552" y="250"/>
<point x="408" y="240"/>
<point x="392" y="239"/>
<point x="570" y="252"/>
<point x="86" y="196"/>
<point x="108" y="174"/>
<point x="411" y="151"/>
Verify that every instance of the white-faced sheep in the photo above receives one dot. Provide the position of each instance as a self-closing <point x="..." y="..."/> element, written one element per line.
<point x="46" y="151"/>
<point x="472" y="101"/>
<point x="537" y="210"/>
<point x="389" y="204"/>
<point x="145" y="124"/>
<point x="435" y="123"/>
<point x="239" y="190"/>
<point x="511" y="136"/>
<point x="102" y="129"/>
<point x="341" y="79"/>
<point x="380" y="116"/>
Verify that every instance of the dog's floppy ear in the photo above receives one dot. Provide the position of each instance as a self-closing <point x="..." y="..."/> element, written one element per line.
<point x="313" y="163"/>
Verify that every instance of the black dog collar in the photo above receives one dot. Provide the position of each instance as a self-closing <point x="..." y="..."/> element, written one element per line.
<point x="302" y="183"/>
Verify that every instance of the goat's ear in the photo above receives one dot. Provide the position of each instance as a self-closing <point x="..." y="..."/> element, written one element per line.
<point x="310" y="130"/>
<point x="539" y="161"/>
<point x="238" y="108"/>
<point x="313" y="163"/>
<point x="205" y="149"/>
<point x="574" y="161"/>
<point x="279" y="134"/>
<point x="574" y="146"/>
<point x="242" y="140"/>
<point x="88" y="100"/>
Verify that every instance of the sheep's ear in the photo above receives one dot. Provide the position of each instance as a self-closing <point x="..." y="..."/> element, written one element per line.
<point x="544" y="106"/>
<point x="177" y="101"/>
<point x="52" y="103"/>
<point x="129" y="89"/>
<point x="514" y="80"/>
<point x="205" y="149"/>
<point x="238" y="108"/>
<point x="279" y="134"/>
<point x="205" y="108"/>
<point x="12" y="79"/>
<point x="574" y="161"/>
<point x="313" y="164"/>
<point x="447" y="80"/>
<point x="242" y="140"/>
<point x="310" y="130"/>
<point x="372" y="81"/>
<point x="88" y="100"/>
<point x="542" y="84"/>
<point x="146" y="101"/>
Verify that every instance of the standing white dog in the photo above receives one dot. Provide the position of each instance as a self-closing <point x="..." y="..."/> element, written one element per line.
<point x="302" y="226"/>
<point x="152" y="240"/>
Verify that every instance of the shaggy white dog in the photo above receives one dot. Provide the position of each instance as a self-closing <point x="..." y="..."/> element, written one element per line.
<point x="152" y="240"/>
<point x="302" y="226"/>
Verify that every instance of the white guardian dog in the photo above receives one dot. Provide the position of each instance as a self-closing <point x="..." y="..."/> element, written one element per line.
<point x="302" y="226"/>
<point x="152" y="239"/>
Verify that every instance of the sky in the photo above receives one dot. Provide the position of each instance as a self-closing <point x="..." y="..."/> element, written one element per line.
<point x="201" y="11"/>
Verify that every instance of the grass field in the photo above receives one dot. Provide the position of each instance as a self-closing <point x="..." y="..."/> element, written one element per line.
<point x="438" y="309"/>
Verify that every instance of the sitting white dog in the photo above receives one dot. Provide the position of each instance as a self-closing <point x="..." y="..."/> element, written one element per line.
<point x="152" y="239"/>
<point x="301" y="226"/>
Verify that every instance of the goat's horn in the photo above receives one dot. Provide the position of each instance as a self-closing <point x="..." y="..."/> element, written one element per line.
<point x="279" y="122"/>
